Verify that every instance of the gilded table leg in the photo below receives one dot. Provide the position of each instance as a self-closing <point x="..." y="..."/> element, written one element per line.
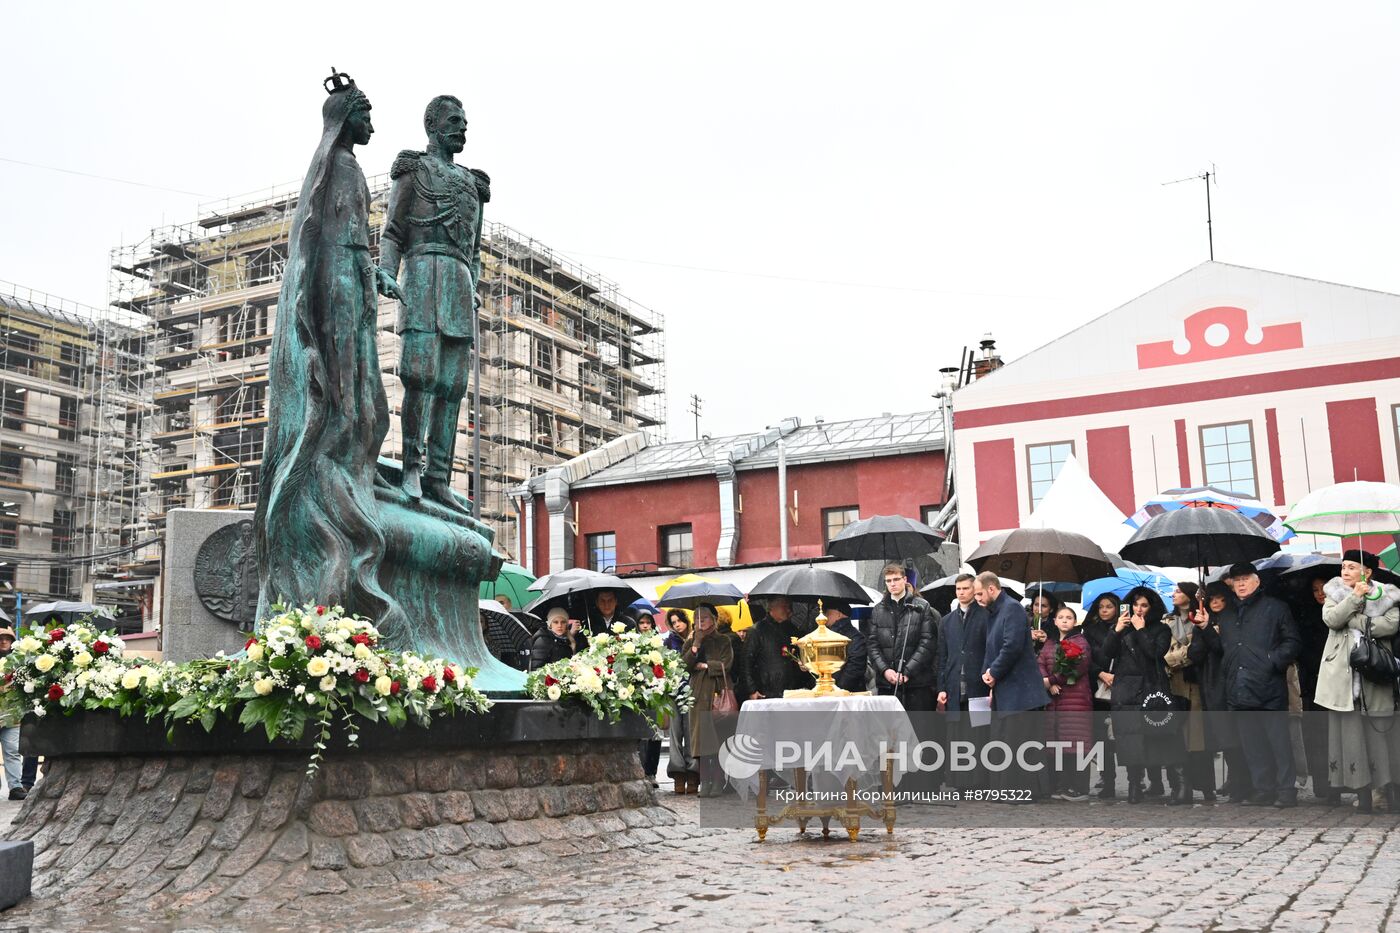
<point x="888" y="783"/>
<point x="760" y="820"/>
<point x="852" y="815"/>
<point x="799" y="778"/>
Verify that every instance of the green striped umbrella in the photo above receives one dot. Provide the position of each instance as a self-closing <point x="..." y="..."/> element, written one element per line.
<point x="511" y="583"/>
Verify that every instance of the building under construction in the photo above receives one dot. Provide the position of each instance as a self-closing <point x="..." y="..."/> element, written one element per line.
<point x="567" y="363"/>
<point x="73" y="407"/>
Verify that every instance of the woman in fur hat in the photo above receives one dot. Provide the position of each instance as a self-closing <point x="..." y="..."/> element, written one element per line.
<point x="1363" y="747"/>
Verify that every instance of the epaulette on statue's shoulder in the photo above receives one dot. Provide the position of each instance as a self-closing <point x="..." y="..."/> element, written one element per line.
<point x="483" y="184"/>
<point x="405" y="162"/>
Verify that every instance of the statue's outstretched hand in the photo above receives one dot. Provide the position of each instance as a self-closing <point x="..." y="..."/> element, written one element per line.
<point x="387" y="286"/>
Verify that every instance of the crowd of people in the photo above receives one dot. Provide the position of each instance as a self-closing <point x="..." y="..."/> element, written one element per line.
<point x="1228" y="680"/>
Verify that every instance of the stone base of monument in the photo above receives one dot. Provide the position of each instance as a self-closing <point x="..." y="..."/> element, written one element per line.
<point x="218" y="818"/>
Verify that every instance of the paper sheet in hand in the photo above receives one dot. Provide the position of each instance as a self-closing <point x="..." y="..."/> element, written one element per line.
<point x="979" y="711"/>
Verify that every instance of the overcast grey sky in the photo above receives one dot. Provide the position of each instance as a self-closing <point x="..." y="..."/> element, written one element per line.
<point x="881" y="183"/>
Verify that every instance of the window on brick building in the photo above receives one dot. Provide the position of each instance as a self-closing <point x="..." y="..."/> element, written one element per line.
<point x="677" y="546"/>
<point x="834" y="521"/>
<point x="602" y="551"/>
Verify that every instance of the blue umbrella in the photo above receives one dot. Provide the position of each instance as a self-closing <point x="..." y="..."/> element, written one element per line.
<point x="643" y="605"/>
<point x="1124" y="581"/>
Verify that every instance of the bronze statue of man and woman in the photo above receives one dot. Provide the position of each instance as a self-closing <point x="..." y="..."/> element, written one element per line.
<point x="320" y="532"/>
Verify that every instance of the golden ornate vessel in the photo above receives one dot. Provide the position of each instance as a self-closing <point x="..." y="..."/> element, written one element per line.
<point x="822" y="652"/>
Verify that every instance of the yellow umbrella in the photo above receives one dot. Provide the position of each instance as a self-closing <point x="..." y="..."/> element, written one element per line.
<point x="738" y="616"/>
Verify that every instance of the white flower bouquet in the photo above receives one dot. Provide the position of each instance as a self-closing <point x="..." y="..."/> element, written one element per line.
<point x="619" y="671"/>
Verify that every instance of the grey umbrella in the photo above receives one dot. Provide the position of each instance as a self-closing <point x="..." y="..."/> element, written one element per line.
<point x="692" y="595"/>
<point x="884" y="537"/>
<point x="576" y="589"/>
<point x="1036" y="554"/>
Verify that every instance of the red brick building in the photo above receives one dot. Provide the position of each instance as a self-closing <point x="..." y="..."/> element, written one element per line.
<point x="634" y="506"/>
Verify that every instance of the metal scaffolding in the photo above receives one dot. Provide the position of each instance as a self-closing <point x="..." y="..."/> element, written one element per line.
<point x="567" y="363"/>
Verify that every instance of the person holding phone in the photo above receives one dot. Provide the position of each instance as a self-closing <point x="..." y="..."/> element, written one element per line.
<point x="1138" y="646"/>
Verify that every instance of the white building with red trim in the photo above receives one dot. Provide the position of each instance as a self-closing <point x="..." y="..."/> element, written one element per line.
<point x="1267" y="384"/>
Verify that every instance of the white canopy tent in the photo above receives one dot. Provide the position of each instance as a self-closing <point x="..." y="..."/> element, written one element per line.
<point x="1076" y="503"/>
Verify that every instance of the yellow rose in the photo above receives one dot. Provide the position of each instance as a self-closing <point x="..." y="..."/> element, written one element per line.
<point x="362" y="652"/>
<point x="382" y="686"/>
<point x="45" y="662"/>
<point x="29" y="644"/>
<point x="263" y="686"/>
<point x="318" y="667"/>
<point x="131" y="680"/>
<point x="82" y="659"/>
<point x="255" y="652"/>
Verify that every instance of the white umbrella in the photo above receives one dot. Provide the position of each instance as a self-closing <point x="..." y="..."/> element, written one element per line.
<point x="1356" y="508"/>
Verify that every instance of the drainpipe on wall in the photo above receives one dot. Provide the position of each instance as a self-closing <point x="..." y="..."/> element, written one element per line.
<point x="727" y="548"/>
<point x="561" y="536"/>
<point x="782" y="501"/>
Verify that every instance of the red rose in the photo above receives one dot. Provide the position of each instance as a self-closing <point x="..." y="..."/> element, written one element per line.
<point x="57" y="635"/>
<point x="362" y="676"/>
<point x="313" y="642"/>
<point x="611" y="658"/>
<point x="100" y="647"/>
<point x="320" y="610"/>
<point x="549" y="681"/>
<point x="9" y="678"/>
<point x="658" y="670"/>
<point x="55" y="692"/>
<point x="394" y="688"/>
<point x="430" y="683"/>
<point x="448" y="676"/>
<point x="1072" y="650"/>
<point x="250" y="643"/>
<point x="362" y="639"/>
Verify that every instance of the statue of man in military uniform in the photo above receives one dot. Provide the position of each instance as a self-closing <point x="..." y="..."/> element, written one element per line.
<point x="434" y="228"/>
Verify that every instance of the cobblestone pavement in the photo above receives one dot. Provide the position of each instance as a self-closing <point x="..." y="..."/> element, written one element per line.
<point x="1299" y="870"/>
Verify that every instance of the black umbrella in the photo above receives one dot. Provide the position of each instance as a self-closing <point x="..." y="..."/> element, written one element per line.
<point x="507" y="638"/>
<point x="1198" y="538"/>
<point x="884" y="537"/>
<point x="576" y="590"/>
<point x="1330" y="566"/>
<point x="940" y="593"/>
<point x="691" y="595"/>
<point x="810" y="583"/>
<point x="1036" y="554"/>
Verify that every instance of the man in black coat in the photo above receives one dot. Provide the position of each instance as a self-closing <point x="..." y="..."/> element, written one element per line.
<point x="962" y="646"/>
<point x="1013" y="674"/>
<point x="903" y="644"/>
<point x="1258" y="640"/>
<point x="851" y="676"/>
<point x="604" y="613"/>
<point x="769" y="664"/>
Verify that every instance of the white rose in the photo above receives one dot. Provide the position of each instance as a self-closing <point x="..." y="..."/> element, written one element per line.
<point x="318" y="667"/>
<point x="619" y="628"/>
<point x="82" y="659"/>
<point x="255" y="651"/>
<point x="654" y="657"/>
<point x="327" y="684"/>
<point x="84" y="678"/>
<point x="29" y="644"/>
<point x="45" y="663"/>
<point x="263" y="686"/>
<point x="412" y="684"/>
<point x="131" y="680"/>
<point x="554" y="692"/>
<point x="362" y="652"/>
<point x="311" y="699"/>
<point x="382" y="686"/>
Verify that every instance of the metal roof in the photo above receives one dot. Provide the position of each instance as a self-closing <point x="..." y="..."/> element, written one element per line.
<point x="665" y="461"/>
<point x="866" y="437"/>
<point x="882" y="436"/>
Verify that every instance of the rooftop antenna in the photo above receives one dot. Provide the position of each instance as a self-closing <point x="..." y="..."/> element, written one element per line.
<point x="1206" y="177"/>
<point x="695" y="403"/>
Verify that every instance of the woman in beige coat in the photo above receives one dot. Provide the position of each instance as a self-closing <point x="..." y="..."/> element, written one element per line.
<point x="1363" y="744"/>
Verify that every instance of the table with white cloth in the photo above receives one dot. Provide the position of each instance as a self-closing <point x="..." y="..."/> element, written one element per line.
<point x="859" y="729"/>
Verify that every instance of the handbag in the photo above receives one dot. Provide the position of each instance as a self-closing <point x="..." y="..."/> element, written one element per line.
<point x="725" y="704"/>
<point x="1373" y="660"/>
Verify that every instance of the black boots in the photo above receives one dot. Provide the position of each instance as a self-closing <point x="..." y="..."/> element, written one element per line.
<point x="1182" y="795"/>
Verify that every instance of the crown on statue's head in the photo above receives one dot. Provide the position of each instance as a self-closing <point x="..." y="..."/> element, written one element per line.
<point x="338" y="81"/>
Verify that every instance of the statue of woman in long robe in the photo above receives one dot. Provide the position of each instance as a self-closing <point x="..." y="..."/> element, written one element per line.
<point x="318" y="535"/>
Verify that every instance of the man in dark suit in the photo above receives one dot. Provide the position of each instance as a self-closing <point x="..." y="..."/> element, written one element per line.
<point x="962" y="645"/>
<point x="604" y="613"/>
<point x="1013" y="675"/>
